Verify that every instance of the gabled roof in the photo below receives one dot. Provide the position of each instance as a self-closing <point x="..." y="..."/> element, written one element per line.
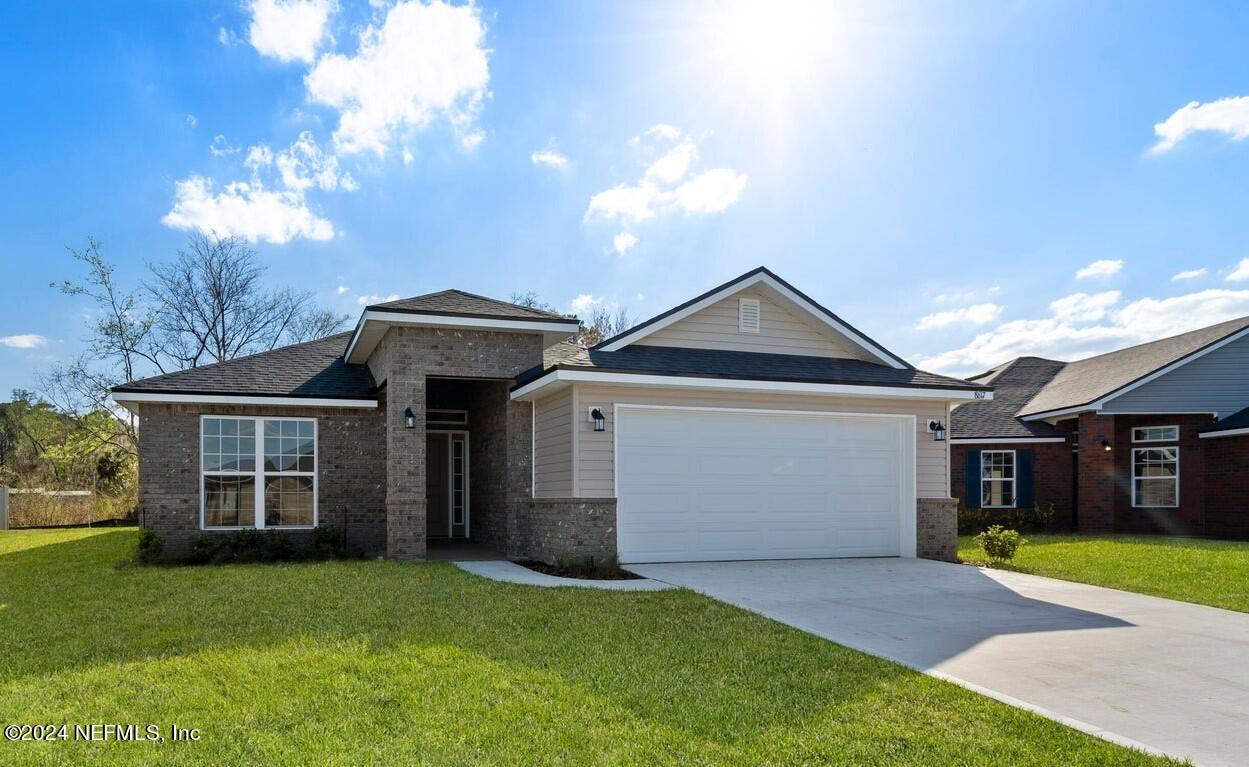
<point x="312" y="370"/>
<point x="1236" y="423"/>
<point x="762" y="275"/>
<point x="689" y="363"/>
<point x="457" y="303"/>
<point x="1086" y="382"/>
<point x="1014" y="384"/>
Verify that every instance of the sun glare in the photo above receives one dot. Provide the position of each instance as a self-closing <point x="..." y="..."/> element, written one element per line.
<point x="775" y="47"/>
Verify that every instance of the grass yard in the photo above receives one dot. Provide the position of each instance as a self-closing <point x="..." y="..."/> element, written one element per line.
<point x="1214" y="573"/>
<point x="383" y="663"/>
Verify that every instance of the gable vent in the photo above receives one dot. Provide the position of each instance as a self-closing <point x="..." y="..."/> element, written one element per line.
<point x="748" y="315"/>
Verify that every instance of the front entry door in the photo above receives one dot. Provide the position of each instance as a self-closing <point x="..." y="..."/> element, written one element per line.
<point x="446" y="484"/>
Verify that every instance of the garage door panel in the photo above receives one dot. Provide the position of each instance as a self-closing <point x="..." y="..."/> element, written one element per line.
<point x="706" y="485"/>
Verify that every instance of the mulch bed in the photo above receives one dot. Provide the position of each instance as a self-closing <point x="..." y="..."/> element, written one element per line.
<point x="584" y="573"/>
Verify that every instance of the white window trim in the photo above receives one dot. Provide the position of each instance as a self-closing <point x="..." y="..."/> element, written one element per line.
<point x="259" y="474"/>
<point x="1176" y="438"/>
<point x="433" y="421"/>
<point x="1175" y="505"/>
<point x="1013" y="480"/>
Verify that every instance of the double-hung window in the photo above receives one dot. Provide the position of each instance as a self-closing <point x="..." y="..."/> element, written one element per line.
<point x="997" y="478"/>
<point x="258" y="472"/>
<point x="1156" y="477"/>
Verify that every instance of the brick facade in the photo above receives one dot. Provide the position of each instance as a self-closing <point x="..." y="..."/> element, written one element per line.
<point x="1226" y="481"/>
<point x="350" y="450"/>
<point x="936" y="529"/>
<point x="567" y="528"/>
<point x="1052" y="476"/>
<point x="1189" y="518"/>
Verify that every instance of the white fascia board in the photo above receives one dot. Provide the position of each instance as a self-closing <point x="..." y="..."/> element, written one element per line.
<point x="124" y="398"/>
<point x="1006" y="440"/>
<point x="1225" y="433"/>
<point x="1181" y="362"/>
<point x="561" y="377"/>
<point x="737" y="287"/>
<point x="450" y="321"/>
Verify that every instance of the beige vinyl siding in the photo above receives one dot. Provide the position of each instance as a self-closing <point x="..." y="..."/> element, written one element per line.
<point x="780" y="331"/>
<point x="553" y="446"/>
<point x="594" y="457"/>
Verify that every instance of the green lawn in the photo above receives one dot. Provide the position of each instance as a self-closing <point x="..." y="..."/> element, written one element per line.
<point x="1212" y="573"/>
<point x="385" y="663"/>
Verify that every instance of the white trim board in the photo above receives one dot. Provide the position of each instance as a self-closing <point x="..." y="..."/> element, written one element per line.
<point x="737" y="286"/>
<point x="1100" y="403"/>
<point x="1225" y="433"/>
<point x="562" y="377"/>
<point x="122" y="398"/>
<point x="412" y="319"/>
<point x="1007" y="441"/>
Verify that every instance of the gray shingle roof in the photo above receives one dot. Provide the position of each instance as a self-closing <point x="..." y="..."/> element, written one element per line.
<point x="1086" y="381"/>
<point x="718" y="363"/>
<point x="459" y="303"/>
<point x="1237" y="420"/>
<point x="1014" y="384"/>
<point x="312" y="369"/>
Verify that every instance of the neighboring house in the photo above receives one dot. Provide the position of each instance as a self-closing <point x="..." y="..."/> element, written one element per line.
<point x="1129" y="441"/>
<point x="749" y="422"/>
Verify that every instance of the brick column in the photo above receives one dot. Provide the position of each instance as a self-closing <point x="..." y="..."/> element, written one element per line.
<point x="1097" y="474"/>
<point x="405" y="463"/>
<point x="519" y="474"/>
<point x="936" y="529"/>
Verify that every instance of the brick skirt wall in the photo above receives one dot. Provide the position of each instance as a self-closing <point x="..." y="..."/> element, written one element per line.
<point x="565" y="528"/>
<point x="936" y="529"/>
<point x="351" y="466"/>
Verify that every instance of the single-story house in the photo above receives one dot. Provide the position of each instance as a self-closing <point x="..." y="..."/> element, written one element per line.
<point x="748" y="422"/>
<point x="1149" y="439"/>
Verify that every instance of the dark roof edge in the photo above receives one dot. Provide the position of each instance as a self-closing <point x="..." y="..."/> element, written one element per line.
<point x="476" y="315"/>
<point x="727" y="377"/>
<point x="740" y="278"/>
<point x="226" y="393"/>
<point x="1183" y="360"/>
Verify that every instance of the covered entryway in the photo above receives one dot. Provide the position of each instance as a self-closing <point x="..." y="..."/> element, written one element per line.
<point x="700" y="484"/>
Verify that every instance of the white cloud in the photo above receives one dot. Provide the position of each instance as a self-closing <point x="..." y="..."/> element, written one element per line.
<point x="192" y="120"/>
<point x="220" y="147"/>
<point x="472" y="140"/>
<point x="585" y="302"/>
<point x="657" y="192"/>
<point x="425" y="62"/>
<point x="23" y="341"/>
<point x="370" y="300"/>
<point x="1189" y="274"/>
<point x="1084" y="307"/>
<point x="1229" y="116"/>
<point x="245" y="209"/>
<point x="408" y="157"/>
<point x="1070" y="333"/>
<point x="289" y="30"/>
<point x="1106" y="267"/>
<point x="622" y="242"/>
<point x="341" y="289"/>
<point x="979" y="314"/>
<point x="304" y="165"/>
<point x="1240" y="273"/>
<point x="550" y="158"/>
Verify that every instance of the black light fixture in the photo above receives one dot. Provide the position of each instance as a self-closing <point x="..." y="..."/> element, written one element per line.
<point x="409" y="419"/>
<point x="938" y="430"/>
<point x="600" y="421"/>
<point x="1106" y="445"/>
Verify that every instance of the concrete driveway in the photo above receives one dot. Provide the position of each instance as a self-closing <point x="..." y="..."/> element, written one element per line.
<point x="1165" y="676"/>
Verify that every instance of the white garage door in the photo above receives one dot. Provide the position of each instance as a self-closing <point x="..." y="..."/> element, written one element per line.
<point x="706" y="484"/>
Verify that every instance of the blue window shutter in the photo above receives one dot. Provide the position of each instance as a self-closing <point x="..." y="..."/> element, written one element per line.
<point x="1023" y="472"/>
<point x="971" y="496"/>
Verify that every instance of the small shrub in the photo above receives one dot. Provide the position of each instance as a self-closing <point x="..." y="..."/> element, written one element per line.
<point x="1000" y="543"/>
<point x="268" y="546"/>
<point x="1030" y="520"/>
<point x="150" y="547"/>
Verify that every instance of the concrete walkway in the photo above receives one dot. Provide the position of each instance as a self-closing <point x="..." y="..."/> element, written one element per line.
<point x="1169" y="677"/>
<point x="502" y="570"/>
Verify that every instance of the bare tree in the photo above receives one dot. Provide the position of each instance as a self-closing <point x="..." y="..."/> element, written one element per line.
<point x="603" y="323"/>
<point x="211" y="306"/>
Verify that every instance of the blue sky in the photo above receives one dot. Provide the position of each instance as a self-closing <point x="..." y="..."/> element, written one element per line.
<point x="936" y="173"/>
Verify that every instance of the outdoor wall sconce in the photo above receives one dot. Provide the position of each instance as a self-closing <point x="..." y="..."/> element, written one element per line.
<point x="938" y="430"/>
<point x="600" y="421"/>
<point x="1106" y="445"/>
<point x="409" y="419"/>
